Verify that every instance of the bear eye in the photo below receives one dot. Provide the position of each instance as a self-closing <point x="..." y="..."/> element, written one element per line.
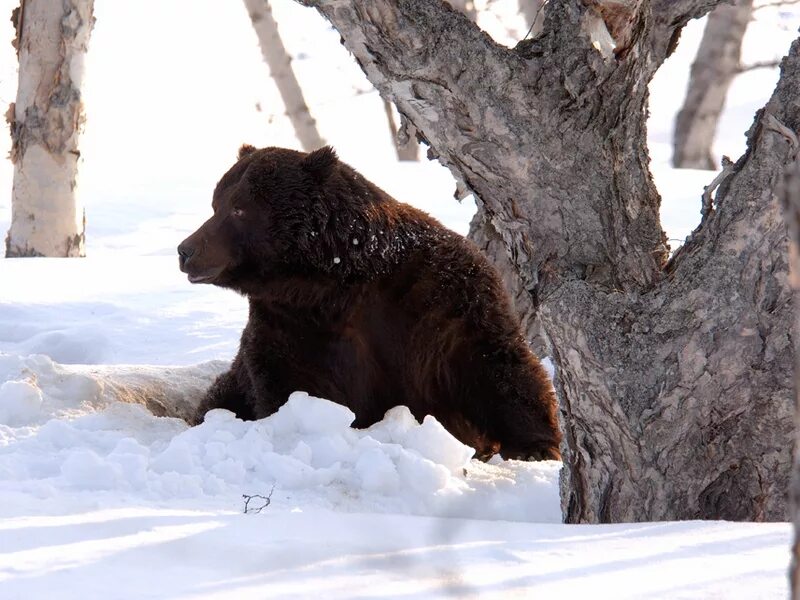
<point x="237" y="212"/>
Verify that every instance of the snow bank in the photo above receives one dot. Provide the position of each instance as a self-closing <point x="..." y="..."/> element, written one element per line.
<point x="61" y="429"/>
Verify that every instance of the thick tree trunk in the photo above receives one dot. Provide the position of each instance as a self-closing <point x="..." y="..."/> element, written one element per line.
<point x="280" y="67"/>
<point x="45" y="123"/>
<point x="674" y="377"/>
<point x="790" y="195"/>
<point x="716" y="64"/>
<point x="403" y="138"/>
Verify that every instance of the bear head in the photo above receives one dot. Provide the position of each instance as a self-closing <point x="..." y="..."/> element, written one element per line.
<point x="283" y="213"/>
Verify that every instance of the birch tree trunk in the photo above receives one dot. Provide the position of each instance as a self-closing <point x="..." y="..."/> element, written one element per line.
<point x="717" y="63"/>
<point x="674" y="376"/>
<point x="45" y="122"/>
<point x="280" y="67"/>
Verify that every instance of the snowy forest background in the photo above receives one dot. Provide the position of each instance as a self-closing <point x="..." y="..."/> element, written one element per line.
<point x="102" y="497"/>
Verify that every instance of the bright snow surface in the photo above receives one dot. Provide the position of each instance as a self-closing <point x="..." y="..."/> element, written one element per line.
<point x="100" y="498"/>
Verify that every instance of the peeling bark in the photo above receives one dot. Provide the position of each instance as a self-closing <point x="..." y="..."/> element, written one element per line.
<point x="45" y="122"/>
<point x="280" y="67"/>
<point x="713" y="71"/>
<point x="673" y="377"/>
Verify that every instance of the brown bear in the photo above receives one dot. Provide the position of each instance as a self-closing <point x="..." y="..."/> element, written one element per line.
<point x="368" y="302"/>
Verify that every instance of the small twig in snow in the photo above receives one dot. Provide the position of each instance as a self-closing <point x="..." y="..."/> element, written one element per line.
<point x="265" y="501"/>
<point x="727" y="169"/>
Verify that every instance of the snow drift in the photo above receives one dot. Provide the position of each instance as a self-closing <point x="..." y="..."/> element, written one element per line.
<point x="65" y="428"/>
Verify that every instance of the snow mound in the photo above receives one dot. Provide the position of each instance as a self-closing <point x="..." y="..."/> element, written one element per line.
<point x="60" y="432"/>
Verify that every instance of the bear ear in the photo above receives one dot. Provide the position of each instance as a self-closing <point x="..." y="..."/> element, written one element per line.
<point x="246" y="149"/>
<point x="320" y="162"/>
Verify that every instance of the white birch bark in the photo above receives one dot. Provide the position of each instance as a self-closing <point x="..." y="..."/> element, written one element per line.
<point x="45" y="122"/>
<point x="280" y="67"/>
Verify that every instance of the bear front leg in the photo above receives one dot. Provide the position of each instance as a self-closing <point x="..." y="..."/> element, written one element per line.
<point x="226" y="392"/>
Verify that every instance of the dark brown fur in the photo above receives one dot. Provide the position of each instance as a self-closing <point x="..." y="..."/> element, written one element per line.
<point x="410" y="314"/>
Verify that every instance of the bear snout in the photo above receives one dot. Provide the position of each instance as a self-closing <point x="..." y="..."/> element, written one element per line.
<point x="184" y="254"/>
<point x="198" y="263"/>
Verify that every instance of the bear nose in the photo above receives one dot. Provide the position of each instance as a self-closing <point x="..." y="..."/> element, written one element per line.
<point x="185" y="253"/>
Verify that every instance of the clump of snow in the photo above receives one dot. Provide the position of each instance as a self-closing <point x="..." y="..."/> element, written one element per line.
<point x="20" y="402"/>
<point x="70" y="437"/>
<point x="548" y="365"/>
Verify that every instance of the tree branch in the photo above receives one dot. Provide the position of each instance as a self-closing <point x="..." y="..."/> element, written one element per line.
<point x="727" y="168"/>
<point x="671" y="16"/>
<point x="764" y="64"/>
<point x="777" y="4"/>
<point x="679" y="12"/>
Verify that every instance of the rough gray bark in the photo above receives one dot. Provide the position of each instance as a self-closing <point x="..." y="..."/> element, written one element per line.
<point x="45" y="123"/>
<point x="791" y="202"/>
<point x="673" y="377"/>
<point x="714" y="68"/>
<point x="280" y="67"/>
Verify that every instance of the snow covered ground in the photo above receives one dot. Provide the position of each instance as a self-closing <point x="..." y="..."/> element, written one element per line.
<point x="99" y="498"/>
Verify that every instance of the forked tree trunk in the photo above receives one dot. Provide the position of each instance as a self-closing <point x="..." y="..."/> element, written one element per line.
<point x="280" y="67"/>
<point x="45" y="122"/>
<point x="713" y="70"/>
<point x="674" y="378"/>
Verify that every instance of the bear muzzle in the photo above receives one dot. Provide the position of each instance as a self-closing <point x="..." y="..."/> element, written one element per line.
<point x="187" y="260"/>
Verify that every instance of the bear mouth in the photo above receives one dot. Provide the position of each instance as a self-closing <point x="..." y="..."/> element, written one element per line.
<point x="202" y="278"/>
<point x="206" y="276"/>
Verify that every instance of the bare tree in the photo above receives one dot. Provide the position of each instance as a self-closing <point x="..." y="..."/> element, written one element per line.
<point x="713" y="71"/>
<point x="280" y="66"/>
<point x="674" y="375"/>
<point x="45" y="123"/>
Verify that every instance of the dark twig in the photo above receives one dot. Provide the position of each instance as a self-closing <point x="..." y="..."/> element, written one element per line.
<point x="535" y="18"/>
<point x="265" y="501"/>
